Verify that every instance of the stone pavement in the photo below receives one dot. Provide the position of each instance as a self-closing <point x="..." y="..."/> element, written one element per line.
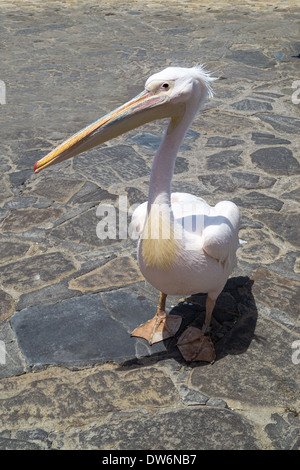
<point x="71" y="375"/>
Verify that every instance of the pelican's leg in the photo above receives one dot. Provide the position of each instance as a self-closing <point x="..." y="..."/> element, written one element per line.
<point x="209" y="306"/>
<point x="160" y="327"/>
<point x="194" y="344"/>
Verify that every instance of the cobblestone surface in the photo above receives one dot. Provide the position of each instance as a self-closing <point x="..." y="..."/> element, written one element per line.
<point x="71" y="376"/>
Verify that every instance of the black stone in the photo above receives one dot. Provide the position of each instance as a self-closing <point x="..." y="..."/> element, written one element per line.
<point x="223" y="142"/>
<point x="287" y="124"/>
<point x="286" y="225"/>
<point x="276" y="161"/>
<point x="91" y="193"/>
<point x="252" y="58"/>
<point x="230" y="182"/>
<point x="186" y="429"/>
<point x="224" y="160"/>
<point x="268" y="139"/>
<point x="109" y="165"/>
<point x="294" y="195"/>
<point x="252" y="105"/>
<point x="80" y="330"/>
<point x="255" y="200"/>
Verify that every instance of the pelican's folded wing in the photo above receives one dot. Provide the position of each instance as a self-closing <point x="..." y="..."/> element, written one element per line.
<point x="220" y="234"/>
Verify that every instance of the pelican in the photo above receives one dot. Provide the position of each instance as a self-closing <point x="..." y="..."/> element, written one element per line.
<point x="185" y="246"/>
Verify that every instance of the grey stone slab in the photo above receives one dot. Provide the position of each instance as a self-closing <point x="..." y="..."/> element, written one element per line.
<point x="254" y="365"/>
<point x="20" y="203"/>
<point x="256" y="200"/>
<point x="146" y="139"/>
<point x="29" y="273"/>
<point x="293" y="195"/>
<point x="284" y="432"/>
<point x="252" y="105"/>
<point x="82" y="230"/>
<point x="223" y="142"/>
<point x="18" y="178"/>
<point x="226" y="183"/>
<point x="80" y="330"/>
<point x="252" y="58"/>
<point x="12" y="249"/>
<point x="12" y="360"/>
<point x="276" y="161"/>
<point x="72" y="331"/>
<point x="20" y="220"/>
<point x="268" y="139"/>
<point x="226" y="159"/>
<point x="91" y="193"/>
<point x="6" y="305"/>
<point x="288" y="124"/>
<point x="109" y="165"/>
<point x="18" y="444"/>
<point x="199" y="428"/>
<point x="47" y="295"/>
<point x="192" y="397"/>
<point x="56" y="188"/>
<point x="28" y="158"/>
<point x="284" y="224"/>
<point x="58" y="398"/>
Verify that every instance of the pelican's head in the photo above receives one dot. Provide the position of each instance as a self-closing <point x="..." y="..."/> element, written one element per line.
<point x="181" y="84"/>
<point x="166" y="94"/>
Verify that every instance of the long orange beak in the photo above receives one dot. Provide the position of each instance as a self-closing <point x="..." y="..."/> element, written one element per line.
<point x="144" y="108"/>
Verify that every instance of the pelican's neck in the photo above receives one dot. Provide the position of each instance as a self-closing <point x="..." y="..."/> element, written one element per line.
<point x="164" y="160"/>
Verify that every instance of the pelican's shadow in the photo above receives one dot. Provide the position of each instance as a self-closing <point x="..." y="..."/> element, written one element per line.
<point x="233" y="321"/>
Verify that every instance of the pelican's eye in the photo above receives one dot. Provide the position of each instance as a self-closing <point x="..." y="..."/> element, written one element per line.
<point x="165" y="86"/>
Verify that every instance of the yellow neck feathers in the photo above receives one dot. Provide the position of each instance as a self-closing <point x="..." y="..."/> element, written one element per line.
<point x="159" y="244"/>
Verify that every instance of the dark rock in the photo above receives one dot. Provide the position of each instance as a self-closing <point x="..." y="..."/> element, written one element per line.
<point x="148" y="140"/>
<point x="18" y="178"/>
<point x="223" y="142"/>
<point x="224" y="160"/>
<point x="276" y="161"/>
<point x="286" y="225"/>
<point x="252" y="105"/>
<point x="6" y="305"/>
<point x="181" y="165"/>
<point x="18" y="444"/>
<point x="230" y="182"/>
<point x="82" y="230"/>
<point x="268" y="139"/>
<point x="111" y="164"/>
<point x="252" y="58"/>
<point x="76" y="330"/>
<point x="294" y="195"/>
<point x="277" y="292"/>
<point x="287" y="124"/>
<point x="21" y="220"/>
<point x="29" y="158"/>
<point x="135" y="196"/>
<point x="47" y="295"/>
<point x="282" y="433"/>
<point x="14" y="363"/>
<point x="255" y="200"/>
<point x="92" y="193"/>
<point x="198" y="428"/>
<point x="259" y="346"/>
<point x="5" y="191"/>
<point x="57" y="188"/>
<point x="20" y="202"/>
<point x="29" y="273"/>
<point x="12" y="249"/>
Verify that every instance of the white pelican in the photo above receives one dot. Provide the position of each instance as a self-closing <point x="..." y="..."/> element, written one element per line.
<point x="185" y="246"/>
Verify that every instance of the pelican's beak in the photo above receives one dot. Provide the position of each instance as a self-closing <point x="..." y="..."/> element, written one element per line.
<point x="143" y="108"/>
